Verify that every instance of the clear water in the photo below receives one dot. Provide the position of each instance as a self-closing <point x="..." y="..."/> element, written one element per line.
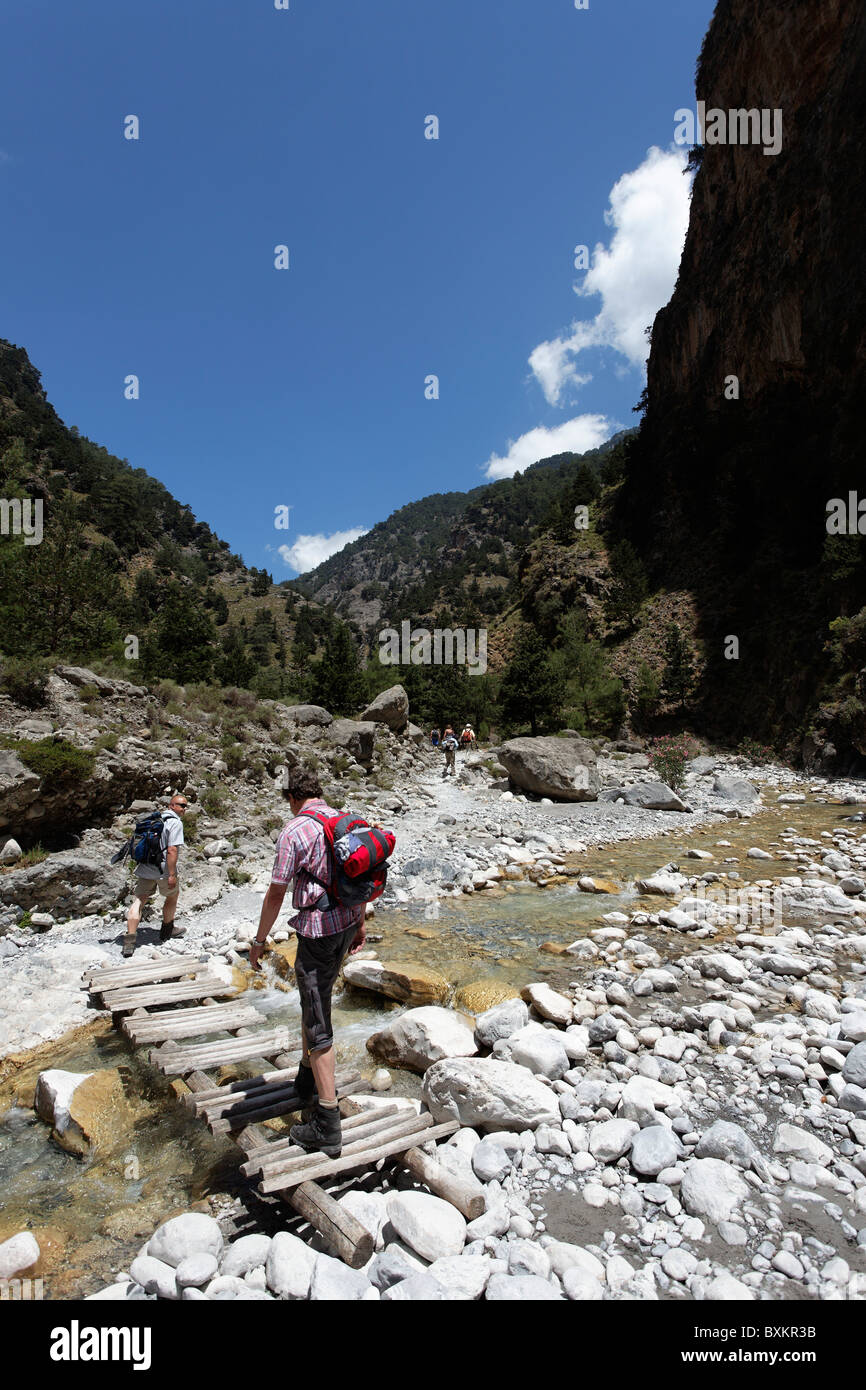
<point x="92" y="1215"/>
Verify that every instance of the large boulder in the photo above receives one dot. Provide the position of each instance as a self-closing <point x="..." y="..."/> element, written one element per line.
<point x="712" y="1189"/>
<point x="485" y="1093"/>
<point x="80" y="676"/>
<point x="88" y="1110"/>
<point x="67" y="800"/>
<point x="423" y="1036"/>
<point x="192" y="1233"/>
<point x="565" y="769"/>
<point x="735" y="789"/>
<point x="306" y="714"/>
<point x="65" y="885"/>
<point x="19" y="788"/>
<point x="391" y="708"/>
<point x="430" y="1226"/>
<point x="355" y="736"/>
<point x="410" y="984"/>
<point x="500" y="1021"/>
<point x="649" y="796"/>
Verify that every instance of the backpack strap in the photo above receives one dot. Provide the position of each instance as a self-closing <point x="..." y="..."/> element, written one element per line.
<point x="322" y="904"/>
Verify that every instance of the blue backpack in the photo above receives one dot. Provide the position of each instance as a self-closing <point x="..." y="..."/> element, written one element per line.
<point x="145" y="847"/>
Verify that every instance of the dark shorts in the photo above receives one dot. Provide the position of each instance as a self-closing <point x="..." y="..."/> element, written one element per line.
<point x="317" y="966"/>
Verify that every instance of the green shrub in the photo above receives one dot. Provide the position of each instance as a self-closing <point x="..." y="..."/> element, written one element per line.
<point x="25" y="681"/>
<point x="108" y="740"/>
<point x="56" y="761"/>
<point x="237" y="877"/>
<point x="88" y="694"/>
<point x="35" y="855"/>
<point x="235" y="758"/>
<point x="755" y="752"/>
<point x="214" y="801"/>
<point x="668" y="756"/>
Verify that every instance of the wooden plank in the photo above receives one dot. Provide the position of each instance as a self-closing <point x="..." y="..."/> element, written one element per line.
<point x="362" y="1137"/>
<point x="237" y="1093"/>
<point x="146" y="972"/>
<point x="349" y="1240"/>
<point x="279" y="1149"/>
<point x="261" y="1109"/>
<point x="322" y="1167"/>
<point x="190" y="1023"/>
<point x="464" y="1193"/>
<point x="123" y="1000"/>
<point x="178" y="1060"/>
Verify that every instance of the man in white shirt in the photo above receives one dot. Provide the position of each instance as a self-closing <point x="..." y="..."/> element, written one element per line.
<point x="149" y="878"/>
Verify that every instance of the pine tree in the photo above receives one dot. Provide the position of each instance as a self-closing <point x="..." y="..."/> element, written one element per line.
<point x="594" y="699"/>
<point x="531" y="689"/>
<point x="234" y="666"/>
<point x="338" y="678"/>
<point x="679" y="665"/>
<point x="629" y="587"/>
<point x="647" y="693"/>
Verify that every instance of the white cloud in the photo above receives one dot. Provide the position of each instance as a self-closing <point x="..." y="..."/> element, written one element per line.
<point x="309" y="551"/>
<point x="635" y="275"/>
<point x="572" y="436"/>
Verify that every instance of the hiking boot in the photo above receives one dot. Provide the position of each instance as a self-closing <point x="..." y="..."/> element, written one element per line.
<point x="324" y="1132"/>
<point x="127" y="946"/>
<point x="169" y="932"/>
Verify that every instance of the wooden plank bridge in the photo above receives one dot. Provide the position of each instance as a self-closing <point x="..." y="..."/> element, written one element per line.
<point x="193" y="1021"/>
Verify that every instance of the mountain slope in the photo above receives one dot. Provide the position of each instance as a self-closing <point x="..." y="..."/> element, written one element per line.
<point x="457" y="552"/>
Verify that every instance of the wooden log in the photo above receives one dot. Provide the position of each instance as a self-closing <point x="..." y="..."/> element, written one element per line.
<point x="361" y="1138"/>
<point x="235" y="1102"/>
<point x="346" y="1083"/>
<point x="177" y="1060"/>
<point x="258" y="1109"/>
<point x="321" y="1166"/>
<point x="279" y="1149"/>
<point x="191" y="1023"/>
<point x="345" y="1235"/>
<point x="124" y="1000"/>
<point x="464" y="1193"/>
<point x="144" y="972"/>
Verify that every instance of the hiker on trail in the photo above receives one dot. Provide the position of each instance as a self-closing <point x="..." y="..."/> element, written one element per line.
<point x="434" y="737"/>
<point x="467" y="738"/>
<point x="450" y="745"/>
<point x="162" y="876"/>
<point x="325" y="937"/>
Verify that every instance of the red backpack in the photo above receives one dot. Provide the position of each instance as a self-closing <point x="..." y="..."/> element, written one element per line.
<point x="357" y="852"/>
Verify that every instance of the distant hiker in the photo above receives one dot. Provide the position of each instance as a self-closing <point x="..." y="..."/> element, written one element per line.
<point x="326" y="935"/>
<point x="450" y="745"/>
<point x="154" y="849"/>
<point x="467" y="737"/>
<point x="434" y="737"/>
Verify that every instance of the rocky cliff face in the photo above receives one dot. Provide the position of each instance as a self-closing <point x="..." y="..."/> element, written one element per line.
<point x="729" y="496"/>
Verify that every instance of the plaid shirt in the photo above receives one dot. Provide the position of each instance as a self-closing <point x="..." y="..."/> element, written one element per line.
<point x="302" y="846"/>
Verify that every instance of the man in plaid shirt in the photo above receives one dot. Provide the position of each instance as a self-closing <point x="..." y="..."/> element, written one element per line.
<point x="326" y="935"/>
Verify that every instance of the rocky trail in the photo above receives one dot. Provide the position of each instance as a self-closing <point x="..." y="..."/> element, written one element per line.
<point x="669" y="1104"/>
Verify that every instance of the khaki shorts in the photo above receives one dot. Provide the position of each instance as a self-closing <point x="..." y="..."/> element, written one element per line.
<point x="146" y="887"/>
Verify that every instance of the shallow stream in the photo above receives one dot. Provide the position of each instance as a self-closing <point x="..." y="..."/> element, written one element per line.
<point x="92" y="1215"/>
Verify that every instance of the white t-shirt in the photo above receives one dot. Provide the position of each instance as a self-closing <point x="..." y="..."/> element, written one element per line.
<point x="172" y="834"/>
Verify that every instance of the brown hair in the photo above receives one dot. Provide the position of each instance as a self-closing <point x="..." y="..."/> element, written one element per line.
<point x="300" y="783"/>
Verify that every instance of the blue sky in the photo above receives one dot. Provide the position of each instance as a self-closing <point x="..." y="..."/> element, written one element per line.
<point x="407" y="256"/>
